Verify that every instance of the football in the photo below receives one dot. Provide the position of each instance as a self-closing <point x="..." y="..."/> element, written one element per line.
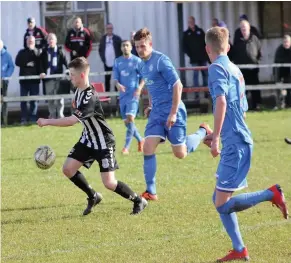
<point x="44" y="157"/>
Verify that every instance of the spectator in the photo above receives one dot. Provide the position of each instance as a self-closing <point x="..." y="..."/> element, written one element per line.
<point x="283" y="74"/>
<point x="238" y="34"/>
<point x="54" y="63"/>
<point x="133" y="51"/>
<point x="215" y="22"/>
<point x="30" y="62"/>
<point x="230" y="52"/>
<point x="109" y="49"/>
<point x="39" y="33"/>
<point x="194" y="47"/>
<point x="7" y="68"/>
<point x="78" y="41"/>
<point x="248" y="51"/>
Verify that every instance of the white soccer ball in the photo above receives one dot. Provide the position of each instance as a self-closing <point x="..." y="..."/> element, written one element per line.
<point x="44" y="157"/>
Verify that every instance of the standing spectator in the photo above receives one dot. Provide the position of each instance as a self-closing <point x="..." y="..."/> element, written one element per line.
<point x="7" y="68"/>
<point x="215" y="22"/>
<point x="39" y="33"/>
<point x="248" y="51"/>
<point x="133" y="51"/>
<point x="109" y="49"/>
<point x="238" y="34"/>
<point x="78" y="40"/>
<point x="30" y="62"/>
<point x="194" y="47"/>
<point x="283" y="74"/>
<point x="54" y="63"/>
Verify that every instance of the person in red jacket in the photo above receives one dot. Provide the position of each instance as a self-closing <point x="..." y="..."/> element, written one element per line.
<point x="78" y="40"/>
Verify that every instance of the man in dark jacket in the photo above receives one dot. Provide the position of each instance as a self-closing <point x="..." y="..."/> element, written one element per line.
<point x="78" y="40"/>
<point x="194" y="47"/>
<point x="283" y="74"/>
<point x="30" y="62"/>
<point x="54" y="63"/>
<point x="39" y="33"/>
<point x="248" y="51"/>
<point x="238" y="34"/>
<point x="7" y="68"/>
<point x="109" y="49"/>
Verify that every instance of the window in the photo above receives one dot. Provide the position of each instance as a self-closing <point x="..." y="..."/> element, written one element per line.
<point x="59" y="17"/>
<point x="275" y="19"/>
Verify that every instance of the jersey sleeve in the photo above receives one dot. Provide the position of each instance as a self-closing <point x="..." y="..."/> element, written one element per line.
<point x="168" y="71"/>
<point x="218" y="80"/>
<point x="116" y="75"/>
<point x="85" y="106"/>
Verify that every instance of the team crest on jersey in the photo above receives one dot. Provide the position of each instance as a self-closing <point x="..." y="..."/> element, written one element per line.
<point x="151" y="67"/>
<point x="105" y="163"/>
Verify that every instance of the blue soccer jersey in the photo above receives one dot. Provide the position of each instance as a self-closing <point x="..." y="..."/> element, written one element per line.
<point x="160" y="76"/>
<point x="125" y="71"/>
<point x="226" y="79"/>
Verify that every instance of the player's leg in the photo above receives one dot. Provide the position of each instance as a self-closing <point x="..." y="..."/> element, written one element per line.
<point x="78" y="157"/>
<point x="108" y="165"/>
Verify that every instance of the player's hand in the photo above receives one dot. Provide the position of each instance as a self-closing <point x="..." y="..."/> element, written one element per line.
<point x="121" y="88"/>
<point x="42" y="122"/>
<point x="171" y="120"/>
<point x="136" y="94"/>
<point x="215" y="147"/>
<point x="74" y="53"/>
<point x="147" y="111"/>
<point x="42" y="75"/>
<point x="208" y="140"/>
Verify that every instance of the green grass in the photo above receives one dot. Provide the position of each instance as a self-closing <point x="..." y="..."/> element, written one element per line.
<point x="41" y="210"/>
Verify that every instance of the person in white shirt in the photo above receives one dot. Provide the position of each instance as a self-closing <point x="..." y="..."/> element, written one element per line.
<point x="109" y="49"/>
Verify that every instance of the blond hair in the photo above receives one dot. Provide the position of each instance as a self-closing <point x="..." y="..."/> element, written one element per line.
<point x="217" y="38"/>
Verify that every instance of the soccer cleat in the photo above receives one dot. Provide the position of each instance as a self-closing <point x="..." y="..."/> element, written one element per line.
<point x="287" y="140"/>
<point x="139" y="205"/>
<point x="279" y="199"/>
<point x="140" y="146"/>
<point x="92" y="202"/>
<point x="206" y="127"/>
<point x="235" y="255"/>
<point x="125" y="151"/>
<point x="146" y="195"/>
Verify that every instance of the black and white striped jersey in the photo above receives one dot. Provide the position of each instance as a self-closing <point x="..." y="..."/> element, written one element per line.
<point x="87" y="108"/>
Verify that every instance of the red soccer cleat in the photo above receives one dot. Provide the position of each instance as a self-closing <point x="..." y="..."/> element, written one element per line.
<point x="125" y="151"/>
<point x="146" y="195"/>
<point x="235" y="255"/>
<point x="279" y="199"/>
<point x="140" y="146"/>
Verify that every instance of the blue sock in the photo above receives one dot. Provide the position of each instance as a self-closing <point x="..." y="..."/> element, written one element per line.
<point x="244" y="201"/>
<point x="129" y="134"/>
<point x="136" y="134"/>
<point x="193" y="140"/>
<point x="150" y="168"/>
<point x="231" y="226"/>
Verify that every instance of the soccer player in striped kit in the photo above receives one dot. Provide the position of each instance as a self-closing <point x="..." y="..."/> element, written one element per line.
<point x="97" y="142"/>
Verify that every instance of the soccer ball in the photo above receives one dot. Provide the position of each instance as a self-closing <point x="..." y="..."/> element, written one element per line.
<point x="44" y="157"/>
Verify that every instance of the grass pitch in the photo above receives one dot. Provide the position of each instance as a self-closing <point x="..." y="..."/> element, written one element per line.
<point x="41" y="210"/>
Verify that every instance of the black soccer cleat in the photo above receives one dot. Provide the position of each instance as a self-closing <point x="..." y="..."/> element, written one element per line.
<point x="287" y="140"/>
<point x="92" y="202"/>
<point x="139" y="205"/>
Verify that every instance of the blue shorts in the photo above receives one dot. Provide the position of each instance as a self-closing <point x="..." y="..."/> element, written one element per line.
<point x="233" y="167"/>
<point x="156" y="127"/>
<point x="128" y="107"/>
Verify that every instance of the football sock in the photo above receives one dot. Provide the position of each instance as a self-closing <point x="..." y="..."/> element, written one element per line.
<point x="193" y="140"/>
<point x="136" y="134"/>
<point x="244" y="201"/>
<point x="129" y="134"/>
<point x="79" y="180"/>
<point x="231" y="226"/>
<point x="125" y="191"/>
<point x="150" y="168"/>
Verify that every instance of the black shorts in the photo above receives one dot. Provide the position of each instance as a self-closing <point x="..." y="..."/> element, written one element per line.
<point x="87" y="156"/>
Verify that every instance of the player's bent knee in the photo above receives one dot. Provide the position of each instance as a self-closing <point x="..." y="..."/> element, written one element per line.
<point x="68" y="171"/>
<point x="110" y="185"/>
<point x="129" y="118"/>
<point x="180" y="155"/>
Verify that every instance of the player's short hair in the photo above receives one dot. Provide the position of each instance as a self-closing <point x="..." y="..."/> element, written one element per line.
<point x="79" y="63"/>
<point x="143" y="33"/>
<point x="217" y="38"/>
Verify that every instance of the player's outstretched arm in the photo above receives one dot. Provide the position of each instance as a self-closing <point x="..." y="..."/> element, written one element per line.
<point x="62" y="122"/>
